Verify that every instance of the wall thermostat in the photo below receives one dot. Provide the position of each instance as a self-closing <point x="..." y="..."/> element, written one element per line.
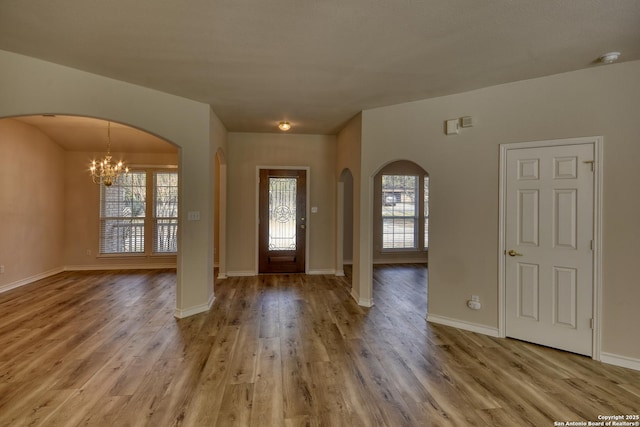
<point x="452" y="127"/>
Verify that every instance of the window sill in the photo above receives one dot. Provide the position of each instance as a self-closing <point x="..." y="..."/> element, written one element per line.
<point x="402" y="250"/>
<point x="135" y="255"/>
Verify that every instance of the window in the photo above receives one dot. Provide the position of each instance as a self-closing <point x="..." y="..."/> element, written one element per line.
<point x="426" y="211"/>
<point x="404" y="210"/>
<point x="399" y="212"/>
<point x="165" y="212"/>
<point x="126" y="225"/>
<point x="122" y="213"/>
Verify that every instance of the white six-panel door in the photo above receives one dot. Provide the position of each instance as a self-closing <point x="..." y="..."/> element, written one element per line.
<point x="548" y="241"/>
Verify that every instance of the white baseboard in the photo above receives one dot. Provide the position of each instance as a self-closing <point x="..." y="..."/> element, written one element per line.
<point x="202" y="308"/>
<point x="93" y="267"/>
<point x="399" y="261"/>
<point x="355" y="295"/>
<point x="222" y="276"/>
<point x="363" y="302"/>
<point x="31" y="279"/>
<point x="461" y="324"/>
<point x="339" y="273"/>
<point x="320" y="272"/>
<point x="240" y="273"/>
<point x="347" y="262"/>
<point x="253" y="273"/>
<point x="622" y="361"/>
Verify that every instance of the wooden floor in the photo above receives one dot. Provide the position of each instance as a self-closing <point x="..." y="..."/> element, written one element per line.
<point x="103" y="349"/>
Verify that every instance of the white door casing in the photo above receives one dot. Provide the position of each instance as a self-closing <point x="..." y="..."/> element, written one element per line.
<point x="549" y="242"/>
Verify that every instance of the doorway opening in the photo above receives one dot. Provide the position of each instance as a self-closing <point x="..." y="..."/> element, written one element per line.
<point x="220" y="215"/>
<point x="83" y="226"/>
<point x="345" y="230"/>
<point x="401" y="225"/>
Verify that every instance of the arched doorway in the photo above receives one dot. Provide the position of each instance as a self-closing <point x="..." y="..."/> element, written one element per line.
<point x="220" y="214"/>
<point x="40" y="87"/>
<point x="400" y="226"/>
<point x="345" y="232"/>
<point x="67" y="223"/>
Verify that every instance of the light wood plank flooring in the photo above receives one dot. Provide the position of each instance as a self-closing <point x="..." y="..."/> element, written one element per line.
<point x="103" y="349"/>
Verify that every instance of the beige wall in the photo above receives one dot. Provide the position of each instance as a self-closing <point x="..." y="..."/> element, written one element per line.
<point x="31" y="203"/>
<point x="82" y="213"/>
<point x="30" y="86"/>
<point x="463" y="169"/>
<point x="247" y="151"/>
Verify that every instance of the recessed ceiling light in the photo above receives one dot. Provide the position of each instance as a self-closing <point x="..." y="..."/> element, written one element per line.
<point x="285" y="126"/>
<point x="609" y="57"/>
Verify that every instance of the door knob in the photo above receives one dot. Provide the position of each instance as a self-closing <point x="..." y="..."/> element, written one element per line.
<point x="514" y="253"/>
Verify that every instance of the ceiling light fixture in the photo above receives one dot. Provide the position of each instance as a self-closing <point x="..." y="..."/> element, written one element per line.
<point x="106" y="171"/>
<point x="610" y="57"/>
<point x="285" y="126"/>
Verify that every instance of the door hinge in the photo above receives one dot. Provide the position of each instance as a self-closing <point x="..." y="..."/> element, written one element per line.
<point x="591" y="162"/>
<point x="591" y="245"/>
<point x="591" y="323"/>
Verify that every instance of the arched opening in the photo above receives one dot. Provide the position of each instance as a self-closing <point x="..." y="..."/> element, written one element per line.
<point x="38" y="87"/>
<point x="400" y="230"/>
<point x="220" y="215"/>
<point x="62" y="220"/>
<point x="344" y="250"/>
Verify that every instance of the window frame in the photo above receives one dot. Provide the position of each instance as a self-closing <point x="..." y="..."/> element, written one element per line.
<point x="414" y="218"/>
<point x="420" y="217"/>
<point x="425" y="213"/>
<point x="149" y="219"/>
<point x="121" y="205"/>
<point x="155" y="218"/>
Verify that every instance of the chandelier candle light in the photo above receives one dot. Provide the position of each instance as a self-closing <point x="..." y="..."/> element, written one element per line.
<point x="106" y="171"/>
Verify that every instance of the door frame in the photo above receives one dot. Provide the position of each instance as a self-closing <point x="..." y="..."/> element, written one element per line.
<point x="308" y="220"/>
<point x="597" y="143"/>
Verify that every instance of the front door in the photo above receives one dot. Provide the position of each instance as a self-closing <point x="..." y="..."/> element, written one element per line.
<point x="549" y="237"/>
<point x="282" y="228"/>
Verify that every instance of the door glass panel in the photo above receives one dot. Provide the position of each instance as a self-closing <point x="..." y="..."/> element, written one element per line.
<point x="282" y="214"/>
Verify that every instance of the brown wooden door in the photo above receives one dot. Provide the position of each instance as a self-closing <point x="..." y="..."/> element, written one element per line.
<point x="282" y="228"/>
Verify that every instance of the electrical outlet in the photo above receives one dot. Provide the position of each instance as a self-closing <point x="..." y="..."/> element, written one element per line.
<point x="474" y="303"/>
<point x="88" y="252"/>
<point x="1" y="269"/>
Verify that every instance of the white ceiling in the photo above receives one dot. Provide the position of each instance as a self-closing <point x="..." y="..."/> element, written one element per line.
<point x="317" y="63"/>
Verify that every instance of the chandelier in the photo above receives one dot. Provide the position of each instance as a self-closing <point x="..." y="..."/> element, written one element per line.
<point x="107" y="171"/>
